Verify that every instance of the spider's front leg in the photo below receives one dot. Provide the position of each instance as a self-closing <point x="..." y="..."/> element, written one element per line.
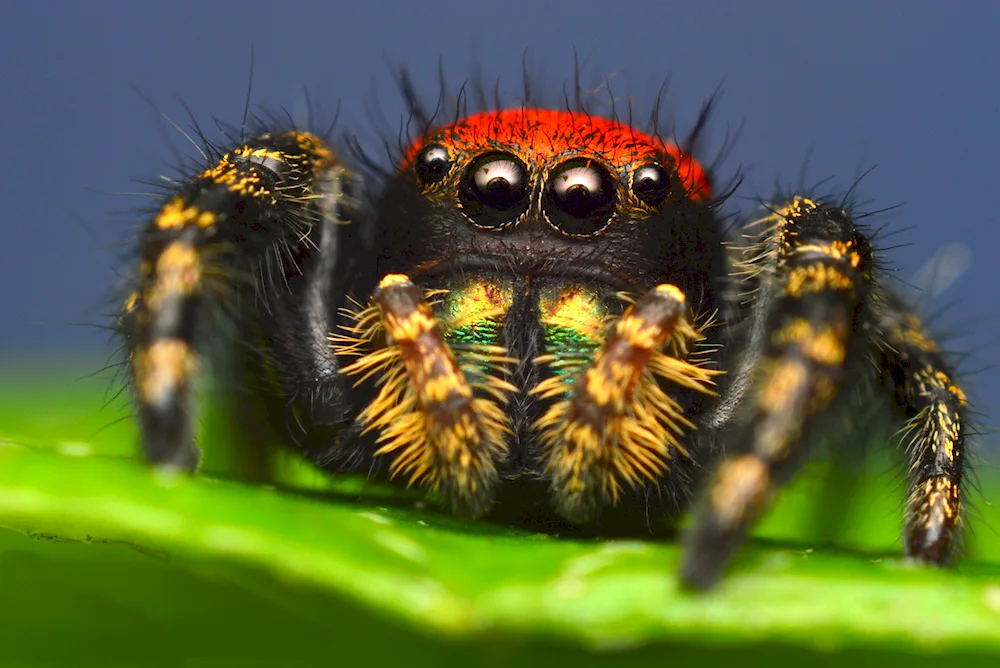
<point x="210" y="246"/>
<point x="816" y="272"/>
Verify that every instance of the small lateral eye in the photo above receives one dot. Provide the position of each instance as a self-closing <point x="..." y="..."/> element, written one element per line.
<point x="651" y="184"/>
<point x="495" y="190"/>
<point x="433" y="163"/>
<point x="580" y="198"/>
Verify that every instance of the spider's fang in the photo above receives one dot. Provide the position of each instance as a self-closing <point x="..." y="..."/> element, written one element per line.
<point x="426" y="411"/>
<point x="614" y="425"/>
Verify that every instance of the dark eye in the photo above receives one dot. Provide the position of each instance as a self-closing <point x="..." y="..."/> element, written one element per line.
<point x="580" y="198"/>
<point x="432" y="163"/>
<point x="495" y="191"/>
<point x="651" y="184"/>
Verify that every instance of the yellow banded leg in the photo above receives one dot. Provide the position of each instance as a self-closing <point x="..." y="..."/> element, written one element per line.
<point x="924" y="388"/>
<point x="819" y="267"/>
<point x="207" y="243"/>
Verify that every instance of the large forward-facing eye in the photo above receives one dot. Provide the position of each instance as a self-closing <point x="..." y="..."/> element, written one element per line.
<point x="432" y="163"/>
<point x="580" y="198"/>
<point x="495" y="191"/>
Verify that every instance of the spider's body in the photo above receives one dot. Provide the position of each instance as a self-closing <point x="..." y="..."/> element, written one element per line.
<point x="545" y="297"/>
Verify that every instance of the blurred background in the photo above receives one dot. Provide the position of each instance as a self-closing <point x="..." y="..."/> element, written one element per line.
<point x="828" y="90"/>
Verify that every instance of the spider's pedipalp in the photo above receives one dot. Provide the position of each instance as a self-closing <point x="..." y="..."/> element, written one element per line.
<point x="818" y="270"/>
<point x="427" y="414"/>
<point x="613" y="426"/>
<point x="204" y="247"/>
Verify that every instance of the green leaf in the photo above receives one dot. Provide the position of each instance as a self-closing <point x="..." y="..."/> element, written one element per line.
<point x="107" y="563"/>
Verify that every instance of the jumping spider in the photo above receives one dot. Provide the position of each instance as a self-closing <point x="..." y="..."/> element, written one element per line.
<point x="540" y="299"/>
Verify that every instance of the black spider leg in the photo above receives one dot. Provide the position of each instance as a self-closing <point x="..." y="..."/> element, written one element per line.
<point x="816" y="273"/>
<point x="922" y="382"/>
<point x="221" y="237"/>
<point x="298" y="359"/>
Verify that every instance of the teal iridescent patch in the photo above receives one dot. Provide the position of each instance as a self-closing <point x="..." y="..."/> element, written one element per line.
<point x="572" y="318"/>
<point x="473" y="313"/>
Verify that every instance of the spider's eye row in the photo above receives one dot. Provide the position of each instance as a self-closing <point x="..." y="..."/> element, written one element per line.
<point x="433" y="163"/>
<point x="580" y="197"/>
<point x="495" y="190"/>
<point x="651" y="184"/>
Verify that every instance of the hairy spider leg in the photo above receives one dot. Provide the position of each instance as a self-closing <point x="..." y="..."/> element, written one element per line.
<point x="216" y="240"/>
<point x="613" y="425"/>
<point x="816" y="271"/>
<point x="935" y="407"/>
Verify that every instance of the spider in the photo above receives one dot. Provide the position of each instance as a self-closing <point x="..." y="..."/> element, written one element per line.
<point x="539" y="300"/>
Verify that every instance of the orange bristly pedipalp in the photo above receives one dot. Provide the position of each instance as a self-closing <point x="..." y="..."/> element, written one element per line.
<point x="427" y="412"/>
<point x="612" y="425"/>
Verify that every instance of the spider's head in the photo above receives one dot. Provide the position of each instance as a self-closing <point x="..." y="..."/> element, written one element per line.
<point x="547" y="192"/>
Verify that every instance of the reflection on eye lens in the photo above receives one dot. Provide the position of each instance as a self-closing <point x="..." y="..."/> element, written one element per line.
<point x="433" y="163"/>
<point x="580" y="198"/>
<point x="579" y="183"/>
<point x="495" y="192"/>
<point x="499" y="183"/>
<point x="651" y="184"/>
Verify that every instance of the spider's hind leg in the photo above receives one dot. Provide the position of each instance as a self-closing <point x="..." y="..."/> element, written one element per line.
<point x="816" y="270"/>
<point x="915" y="370"/>
<point x="214" y="245"/>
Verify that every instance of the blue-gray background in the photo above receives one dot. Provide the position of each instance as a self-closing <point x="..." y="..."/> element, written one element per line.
<point x="909" y="88"/>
